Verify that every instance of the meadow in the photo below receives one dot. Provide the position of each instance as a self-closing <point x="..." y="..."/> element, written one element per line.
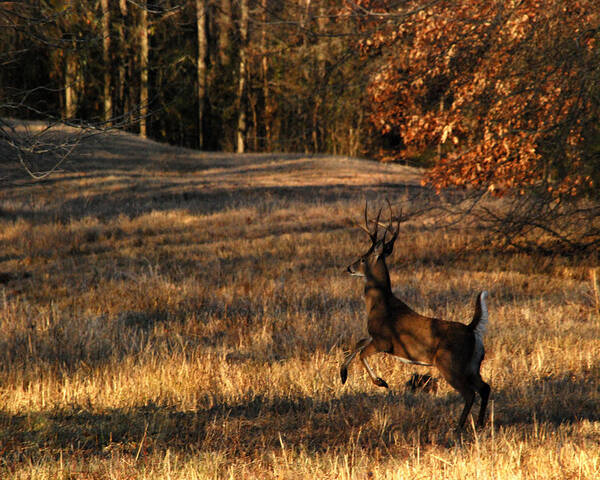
<point x="171" y="314"/>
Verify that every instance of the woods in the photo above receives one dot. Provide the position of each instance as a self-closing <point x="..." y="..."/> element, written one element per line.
<point x="211" y="74"/>
<point x="493" y="97"/>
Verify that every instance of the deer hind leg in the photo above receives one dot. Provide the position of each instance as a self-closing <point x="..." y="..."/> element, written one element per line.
<point x="360" y="346"/>
<point x="469" y="395"/>
<point x="475" y="384"/>
<point x="369" y="350"/>
<point x="460" y="382"/>
<point x="484" y="392"/>
<point x="467" y="388"/>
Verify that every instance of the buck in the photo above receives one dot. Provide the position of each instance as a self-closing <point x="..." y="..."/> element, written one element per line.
<point x="454" y="348"/>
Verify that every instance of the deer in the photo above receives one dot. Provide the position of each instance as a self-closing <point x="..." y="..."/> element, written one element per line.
<point x="455" y="349"/>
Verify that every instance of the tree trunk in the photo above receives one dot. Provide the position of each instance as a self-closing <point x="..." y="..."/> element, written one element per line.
<point x="106" y="60"/>
<point x="321" y="73"/>
<point x="74" y="82"/>
<point x="143" y="68"/>
<point x="243" y="30"/>
<point x="121" y="69"/>
<point x="201" y="66"/>
<point x="224" y="29"/>
<point x="265" y="79"/>
<point x="70" y="88"/>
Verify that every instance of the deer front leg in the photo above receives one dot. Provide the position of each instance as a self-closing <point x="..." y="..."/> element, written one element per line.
<point x="369" y="350"/>
<point x="360" y="346"/>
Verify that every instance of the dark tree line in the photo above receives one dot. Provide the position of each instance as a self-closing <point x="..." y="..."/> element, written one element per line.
<point x="236" y="75"/>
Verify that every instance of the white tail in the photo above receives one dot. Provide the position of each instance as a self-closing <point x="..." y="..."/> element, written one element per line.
<point x="479" y="326"/>
<point x="480" y="318"/>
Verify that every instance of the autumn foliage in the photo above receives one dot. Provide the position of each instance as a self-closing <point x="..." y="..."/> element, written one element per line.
<point x="502" y="95"/>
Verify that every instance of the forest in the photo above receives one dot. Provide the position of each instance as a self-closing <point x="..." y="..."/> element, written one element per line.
<point x="493" y="97"/>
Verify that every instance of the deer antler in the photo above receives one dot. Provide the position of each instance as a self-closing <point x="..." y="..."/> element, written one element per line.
<point x="366" y="229"/>
<point x="389" y="228"/>
<point x="363" y="228"/>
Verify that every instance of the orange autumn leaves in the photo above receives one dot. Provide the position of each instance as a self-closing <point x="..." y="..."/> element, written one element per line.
<point x="504" y="95"/>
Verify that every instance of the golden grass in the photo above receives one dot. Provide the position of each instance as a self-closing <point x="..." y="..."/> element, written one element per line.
<point x="173" y="314"/>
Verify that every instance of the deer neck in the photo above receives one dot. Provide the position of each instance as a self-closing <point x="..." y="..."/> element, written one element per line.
<point x="378" y="287"/>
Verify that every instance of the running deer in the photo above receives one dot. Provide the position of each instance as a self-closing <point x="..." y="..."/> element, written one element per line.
<point x="454" y="348"/>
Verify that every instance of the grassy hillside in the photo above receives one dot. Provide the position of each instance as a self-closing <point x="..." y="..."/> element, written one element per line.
<point x="174" y="314"/>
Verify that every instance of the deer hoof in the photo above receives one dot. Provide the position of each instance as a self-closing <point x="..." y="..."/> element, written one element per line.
<point x="380" y="382"/>
<point x="344" y="375"/>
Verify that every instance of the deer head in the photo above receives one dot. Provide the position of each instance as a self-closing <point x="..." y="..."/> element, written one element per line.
<point x="372" y="263"/>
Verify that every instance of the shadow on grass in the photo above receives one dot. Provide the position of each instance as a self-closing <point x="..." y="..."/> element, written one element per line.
<point x="258" y="424"/>
<point x="126" y="152"/>
<point x="65" y="344"/>
<point x="555" y="400"/>
<point x="135" y="199"/>
<point x="245" y="428"/>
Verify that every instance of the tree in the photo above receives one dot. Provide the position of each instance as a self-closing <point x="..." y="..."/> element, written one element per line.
<point x="36" y="79"/>
<point x="201" y="65"/>
<point x="143" y="62"/>
<point x="264" y="54"/>
<point x="52" y="74"/>
<point x="242" y="72"/>
<point x="505" y="91"/>
<point x="499" y="96"/>
<point x="108" y="113"/>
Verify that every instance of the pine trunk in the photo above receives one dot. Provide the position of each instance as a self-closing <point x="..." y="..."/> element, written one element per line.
<point x="106" y="60"/>
<point x="243" y="30"/>
<point x="143" y="68"/>
<point x="201" y="66"/>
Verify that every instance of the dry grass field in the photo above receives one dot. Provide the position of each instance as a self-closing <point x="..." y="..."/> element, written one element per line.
<point x="181" y="315"/>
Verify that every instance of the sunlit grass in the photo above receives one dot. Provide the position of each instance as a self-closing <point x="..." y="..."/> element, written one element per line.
<point x="171" y="322"/>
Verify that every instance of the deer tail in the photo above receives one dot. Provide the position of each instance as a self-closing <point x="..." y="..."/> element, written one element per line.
<point x="480" y="318"/>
